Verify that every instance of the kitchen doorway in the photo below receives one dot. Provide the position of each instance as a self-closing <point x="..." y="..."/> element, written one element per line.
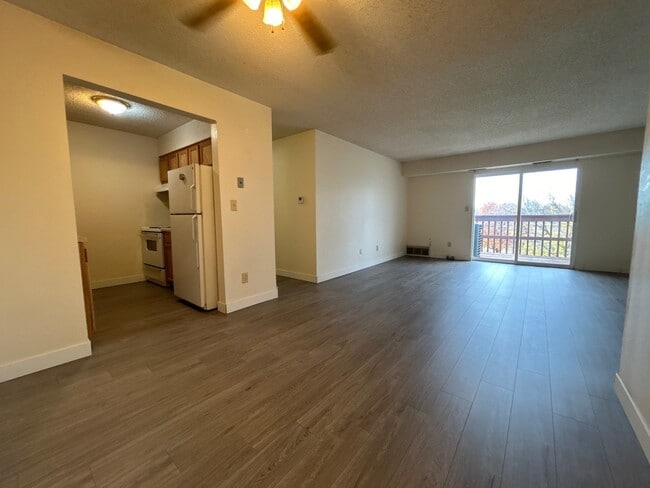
<point x="526" y="216"/>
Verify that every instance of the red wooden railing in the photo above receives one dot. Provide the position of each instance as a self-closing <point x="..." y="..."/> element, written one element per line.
<point x="542" y="236"/>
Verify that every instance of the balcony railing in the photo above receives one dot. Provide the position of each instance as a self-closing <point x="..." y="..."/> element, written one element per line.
<point x="543" y="237"/>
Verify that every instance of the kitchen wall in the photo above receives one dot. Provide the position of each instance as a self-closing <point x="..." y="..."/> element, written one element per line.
<point x="42" y="318"/>
<point x="436" y="212"/>
<point x="185" y="135"/>
<point x="632" y="384"/>
<point x="360" y="207"/>
<point x="113" y="178"/>
<point x="606" y="203"/>
<point x="294" y="169"/>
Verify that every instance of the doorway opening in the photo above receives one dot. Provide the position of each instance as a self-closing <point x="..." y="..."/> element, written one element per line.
<point x="136" y="263"/>
<point x="526" y="216"/>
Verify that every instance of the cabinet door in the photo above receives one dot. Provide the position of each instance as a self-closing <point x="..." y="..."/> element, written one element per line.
<point x="173" y="160"/>
<point x="87" y="290"/>
<point x="194" y="154"/>
<point x="163" y="167"/>
<point x="183" y="159"/>
<point x="206" y="152"/>
<point x="167" y="247"/>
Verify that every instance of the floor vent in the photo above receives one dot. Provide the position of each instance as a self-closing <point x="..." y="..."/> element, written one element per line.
<point x="417" y="250"/>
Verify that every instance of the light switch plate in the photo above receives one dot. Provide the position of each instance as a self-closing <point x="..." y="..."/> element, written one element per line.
<point x="233" y="205"/>
<point x="240" y="182"/>
<point x="301" y="200"/>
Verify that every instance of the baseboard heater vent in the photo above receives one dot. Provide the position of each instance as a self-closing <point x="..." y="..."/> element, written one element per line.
<point x="417" y="250"/>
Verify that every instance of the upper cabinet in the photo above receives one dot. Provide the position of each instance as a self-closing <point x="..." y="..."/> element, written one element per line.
<point x="206" y="152"/>
<point x="200" y="153"/>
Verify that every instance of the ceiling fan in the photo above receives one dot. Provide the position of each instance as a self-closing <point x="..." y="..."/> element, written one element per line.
<point x="316" y="34"/>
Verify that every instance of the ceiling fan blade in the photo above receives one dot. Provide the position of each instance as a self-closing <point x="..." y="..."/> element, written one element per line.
<point x="208" y="13"/>
<point x="317" y="35"/>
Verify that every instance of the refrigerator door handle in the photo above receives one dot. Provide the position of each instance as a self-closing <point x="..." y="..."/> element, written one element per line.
<point x="195" y="221"/>
<point x="193" y="196"/>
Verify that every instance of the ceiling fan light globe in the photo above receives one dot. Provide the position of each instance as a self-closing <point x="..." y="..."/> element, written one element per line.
<point x="253" y="4"/>
<point x="273" y="13"/>
<point x="292" y="4"/>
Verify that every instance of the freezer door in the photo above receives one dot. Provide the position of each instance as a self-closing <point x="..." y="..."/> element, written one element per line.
<point x="185" y="190"/>
<point x="187" y="256"/>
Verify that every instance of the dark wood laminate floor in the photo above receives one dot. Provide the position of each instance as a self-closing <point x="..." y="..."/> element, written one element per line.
<point x="412" y="373"/>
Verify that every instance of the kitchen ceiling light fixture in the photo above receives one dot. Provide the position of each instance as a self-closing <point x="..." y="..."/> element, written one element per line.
<point x="113" y="106"/>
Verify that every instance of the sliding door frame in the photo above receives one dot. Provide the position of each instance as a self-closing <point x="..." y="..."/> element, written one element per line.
<point x="520" y="171"/>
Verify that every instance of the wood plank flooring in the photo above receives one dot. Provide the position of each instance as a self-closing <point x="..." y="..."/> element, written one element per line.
<point x="409" y="374"/>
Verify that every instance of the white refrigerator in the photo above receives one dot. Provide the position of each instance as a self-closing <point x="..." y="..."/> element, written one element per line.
<point x="194" y="253"/>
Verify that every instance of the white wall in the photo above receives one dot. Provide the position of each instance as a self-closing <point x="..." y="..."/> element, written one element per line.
<point x="185" y="135"/>
<point x="604" y="144"/>
<point x="360" y="204"/>
<point x="632" y="384"/>
<point x="607" y="208"/>
<point x="294" y="168"/>
<point x="437" y="214"/>
<point x="42" y="320"/>
<point x="113" y="178"/>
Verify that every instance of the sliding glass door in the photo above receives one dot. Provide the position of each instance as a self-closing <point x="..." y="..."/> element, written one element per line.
<point x="496" y="199"/>
<point x="525" y="217"/>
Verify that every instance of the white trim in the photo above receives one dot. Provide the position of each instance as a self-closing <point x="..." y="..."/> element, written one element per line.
<point x="233" y="306"/>
<point x="45" y="360"/>
<point x="295" y="275"/>
<point x="123" y="280"/>
<point x="443" y="257"/>
<point x="357" y="267"/>
<point x="639" y="424"/>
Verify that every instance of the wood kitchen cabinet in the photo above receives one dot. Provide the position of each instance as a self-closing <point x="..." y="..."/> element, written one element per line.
<point x="163" y="167"/>
<point x="173" y="160"/>
<point x="87" y="289"/>
<point x="167" y="252"/>
<point x="206" y="152"/>
<point x="198" y="153"/>
<point x="183" y="159"/>
<point x="194" y="154"/>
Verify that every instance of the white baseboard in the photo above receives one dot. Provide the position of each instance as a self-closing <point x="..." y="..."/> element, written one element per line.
<point x="295" y="275"/>
<point x="123" y="280"/>
<point x="234" y="305"/>
<point x="357" y="267"/>
<point x="639" y="423"/>
<point x="444" y="257"/>
<point x="46" y="360"/>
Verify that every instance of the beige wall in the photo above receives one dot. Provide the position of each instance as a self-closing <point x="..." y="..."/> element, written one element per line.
<point x="632" y="382"/>
<point x="607" y="143"/>
<point x="185" y="135"/>
<point x="360" y="207"/>
<point x="437" y="213"/>
<point x="606" y="211"/>
<point x="113" y="178"/>
<point x="295" y="224"/>
<point x="41" y="315"/>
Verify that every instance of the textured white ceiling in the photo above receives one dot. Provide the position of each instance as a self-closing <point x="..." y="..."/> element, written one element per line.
<point x="140" y="118"/>
<point x="410" y="78"/>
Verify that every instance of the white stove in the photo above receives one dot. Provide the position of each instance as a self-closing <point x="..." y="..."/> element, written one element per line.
<point x="153" y="254"/>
